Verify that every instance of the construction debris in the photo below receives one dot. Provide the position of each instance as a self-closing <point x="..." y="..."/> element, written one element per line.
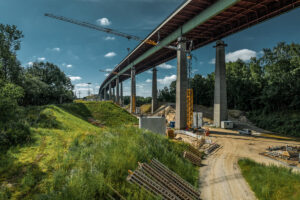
<point x="159" y="180"/>
<point x="289" y="154"/>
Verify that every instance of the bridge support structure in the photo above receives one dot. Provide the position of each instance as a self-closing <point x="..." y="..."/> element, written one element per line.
<point x="181" y="85"/>
<point x="117" y="91"/>
<point x="154" y="90"/>
<point x="220" y="96"/>
<point x="133" y="91"/>
<point x="121" y="94"/>
<point x="110" y="92"/>
<point x="105" y="94"/>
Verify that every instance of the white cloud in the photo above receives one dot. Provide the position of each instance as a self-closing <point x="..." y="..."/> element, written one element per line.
<point x="109" y="38"/>
<point x="243" y="54"/>
<point x="81" y="85"/>
<point x="107" y="74"/>
<point x="165" y="66"/>
<point x="148" y="81"/>
<point x="110" y="55"/>
<point x="149" y="71"/>
<point x="103" y="21"/>
<point x="213" y="61"/>
<point x="167" y="80"/>
<point x="75" y="78"/>
<point x="69" y="66"/>
<point x="57" y="49"/>
<point x="29" y="64"/>
<point x="108" y="69"/>
<point x="41" y="59"/>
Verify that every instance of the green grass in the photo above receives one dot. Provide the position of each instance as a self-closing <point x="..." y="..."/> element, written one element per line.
<point x="284" y="122"/>
<point x="70" y="158"/>
<point x="107" y="113"/>
<point x="271" y="182"/>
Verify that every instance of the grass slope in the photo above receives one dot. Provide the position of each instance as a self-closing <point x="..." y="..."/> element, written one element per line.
<point x="271" y="182"/>
<point x="73" y="159"/>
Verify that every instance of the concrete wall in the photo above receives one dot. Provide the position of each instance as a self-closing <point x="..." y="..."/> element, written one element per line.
<point x="154" y="124"/>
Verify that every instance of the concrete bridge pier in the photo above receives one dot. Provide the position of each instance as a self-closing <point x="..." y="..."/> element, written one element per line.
<point x="154" y="90"/>
<point x="117" y="91"/>
<point x="105" y="94"/>
<point x="181" y="85"/>
<point x="110" y="91"/>
<point x="133" y="91"/>
<point x="121" y="94"/>
<point x="114" y="95"/>
<point x="220" y="97"/>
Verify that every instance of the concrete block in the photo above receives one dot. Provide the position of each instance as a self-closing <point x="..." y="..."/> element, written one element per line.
<point x="226" y="124"/>
<point x="154" y="124"/>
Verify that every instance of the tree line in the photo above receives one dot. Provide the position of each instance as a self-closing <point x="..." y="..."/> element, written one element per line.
<point x="38" y="84"/>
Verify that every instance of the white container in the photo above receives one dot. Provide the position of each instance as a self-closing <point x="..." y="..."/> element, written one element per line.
<point x="226" y="124"/>
<point x="197" y="120"/>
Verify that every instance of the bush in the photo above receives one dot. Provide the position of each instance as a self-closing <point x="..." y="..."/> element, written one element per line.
<point x="14" y="133"/>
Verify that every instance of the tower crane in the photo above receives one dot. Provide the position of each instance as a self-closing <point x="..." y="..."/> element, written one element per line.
<point x="106" y="30"/>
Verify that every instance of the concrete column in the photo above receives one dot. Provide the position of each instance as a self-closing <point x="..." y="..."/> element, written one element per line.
<point x="105" y="94"/>
<point x="133" y="92"/>
<point x="100" y="95"/>
<point x="121" y="94"/>
<point x="118" y="91"/>
<point x="181" y="85"/>
<point x="110" y="92"/>
<point x="154" y="90"/>
<point x="114" y="95"/>
<point x="220" y="98"/>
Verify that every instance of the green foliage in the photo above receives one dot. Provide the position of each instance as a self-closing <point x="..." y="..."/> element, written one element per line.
<point x="10" y="68"/>
<point x="271" y="182"/>
<point x="13" y="130"/>
<point x="283" y="122"/>
<point x="45" y="83"/>
<point x="83" y="161"/>
<point x="139" y="100"/>
<point x="168" y="94"/>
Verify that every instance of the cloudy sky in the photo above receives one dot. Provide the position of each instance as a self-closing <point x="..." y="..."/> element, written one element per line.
<point x="81" y="52"/>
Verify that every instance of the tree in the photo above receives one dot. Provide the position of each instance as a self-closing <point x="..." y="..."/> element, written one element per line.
<point x="10" y="68"/>
<point x="45" y="83"/>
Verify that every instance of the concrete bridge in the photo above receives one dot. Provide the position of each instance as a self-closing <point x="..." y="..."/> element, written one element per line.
<point x="203" y="22"/>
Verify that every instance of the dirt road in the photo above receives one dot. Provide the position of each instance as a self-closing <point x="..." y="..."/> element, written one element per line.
<point x="220" y="177"/>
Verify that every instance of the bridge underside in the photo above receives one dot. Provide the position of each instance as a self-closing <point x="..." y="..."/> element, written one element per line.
<point x="233" y="17"/>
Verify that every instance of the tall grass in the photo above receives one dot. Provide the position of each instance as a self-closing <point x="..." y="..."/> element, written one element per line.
<point x="74" y="159"/>
<point x="271" y="182"/>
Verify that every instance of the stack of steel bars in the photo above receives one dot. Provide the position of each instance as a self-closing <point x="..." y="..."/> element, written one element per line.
<point x="196" y="160"/>
<point x="159" y="180"/>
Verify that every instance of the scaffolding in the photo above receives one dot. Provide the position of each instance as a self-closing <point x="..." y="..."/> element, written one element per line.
<point x="190" y="94"/>
<point x="190" y="103"/>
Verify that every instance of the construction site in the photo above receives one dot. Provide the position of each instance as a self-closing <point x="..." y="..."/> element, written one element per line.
<point x="201" y="144"/>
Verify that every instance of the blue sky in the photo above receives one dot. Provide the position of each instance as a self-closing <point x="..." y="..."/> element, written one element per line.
<point x="80" y="52"/>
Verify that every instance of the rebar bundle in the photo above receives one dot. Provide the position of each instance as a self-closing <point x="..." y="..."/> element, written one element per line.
<point x="159" y="180"/>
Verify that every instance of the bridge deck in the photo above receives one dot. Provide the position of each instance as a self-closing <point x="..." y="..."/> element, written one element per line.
<point x="203" y="21"/>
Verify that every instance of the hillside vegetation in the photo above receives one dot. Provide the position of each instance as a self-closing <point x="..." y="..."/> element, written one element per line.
<point x="69" y="158"/>
<point x="271" y="182"/>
